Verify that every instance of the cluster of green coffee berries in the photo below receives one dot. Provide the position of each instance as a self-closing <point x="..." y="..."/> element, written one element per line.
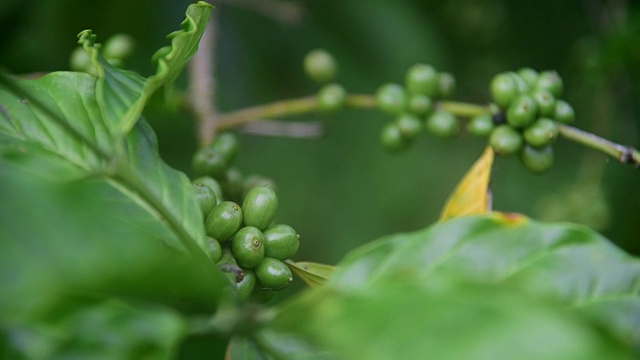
<point x="322" y="68"/>
<point x="242" y="238"/>
<point x="115" y="50"/>
<point x="528" y="107"/>
<point x="413" y="107"/>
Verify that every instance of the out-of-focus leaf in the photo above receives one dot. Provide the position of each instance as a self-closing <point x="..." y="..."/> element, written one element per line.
<point x="110" y="329"/>
<point x="445" y="318"/>
<point x="60" y="239"/>
<point x="122" y="94"/>
<point x="492" y="286"/>
<point x="242" y="348"/>
<point x="313" y="274"/>
<point x="270" y="344"/>
<point x="471" y="196"/>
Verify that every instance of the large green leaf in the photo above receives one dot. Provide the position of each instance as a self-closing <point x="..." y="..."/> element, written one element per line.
<point x="443" y="319"/>
<point x="110" y="329"/>
<point x="543" y="277"/>
<point x="122" y="94"/>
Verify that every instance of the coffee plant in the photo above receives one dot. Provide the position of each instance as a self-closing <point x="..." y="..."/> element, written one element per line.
<point x="109" y="253"/>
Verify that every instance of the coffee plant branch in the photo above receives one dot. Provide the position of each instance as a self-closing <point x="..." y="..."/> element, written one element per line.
<point x="308" y="104"/>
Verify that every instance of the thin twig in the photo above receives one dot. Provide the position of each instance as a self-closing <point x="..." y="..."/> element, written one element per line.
<point x="298" y="130"/>
<point x="285" y="12"/>
<point x="202" y="83"/>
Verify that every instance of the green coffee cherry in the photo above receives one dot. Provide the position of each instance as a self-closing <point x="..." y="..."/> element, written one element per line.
<point x="331" y="98"/>
<point x="260" y="295"/>
<point x="273" y="274"/>
<point x="541" y="133"/>
<point x="481" y="125"/>
<point x="522" y="85"/>
<point x="545" y="100"/>
<point x="443" y="124"/>
<point x="80" y="61"/>
<point x="529" y="75"/>
<point x="215" y="250"/>
<point x="209" y="161"/>
<point x="422" y="79"/>
<point x="392" y="139"/>
<point x="226" y="144"/>
<point x="564" y="112"/>
<point x="551" y="81"/>
<point x="213" y="184"/>
<point x="537" y="160"/>
<point x="409" y="126"/>
<point x="254" y="180"/>
<point x="233" y="184"/>
<point x="118" y="46"/>
<point x="505" y="140"/>
<point x="247" y="285"/>
<point x="259" y="207"/>
<point x="205" y="197"/>
<point x="224" y="220"/>
<point x="391" y="99"/>
<point x="522" y="112"/>
<point x="281" y="242"/>
<point x="247" y="247"/>
<point x="320" y="66"/>
<point x="420" y="104"/>
<point x="446" y="85"/>
<point x="504" y="89"/>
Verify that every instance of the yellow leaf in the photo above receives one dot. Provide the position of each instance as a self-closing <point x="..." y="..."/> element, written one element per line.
<point x="471" y="197"/>
<point x="313" y="274"/>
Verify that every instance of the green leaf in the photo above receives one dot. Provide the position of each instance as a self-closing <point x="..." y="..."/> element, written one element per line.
<point x="109" y="329"/>
<point x="313" y="274"/>
<point x="499" y="284"/>
<point x="443" y="319"/>
<point x="122" y="94"/>
<point x="60" y="239"/>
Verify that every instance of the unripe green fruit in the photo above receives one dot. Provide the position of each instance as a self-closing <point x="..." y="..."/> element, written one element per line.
<point x="420" y="104"/>
<point x="392" y="139"/>
<point x="551" y="81"/>
<point x="522" y="85"/>
<point x="320" y="66"/>
<point x="118" y="46"/>
<point x="541" y="133"/>
<point x="233" y="184"/>
<point x="254" y="180"/>
<point x="273" y="274"/>
<point x="205" y="197"/>
<point x="80" y="61"/>
<point x="247" y="285"/>
<point x="213" y="184"/>
<point x="226" y="144"/>
<point x="391" y="99"/>
<point x="224" y="220"/>
<point x="215" y="250"/>
<point x="481" y="125"/>
<point x="529" y="75"/>
<point x="331" y="98"/>
<point x="247" y="247"/>
<point x="260" y="295"/>
<point x="504" y="89"/>
<point x="281" y="242"/>
<point x="443" y="124"/>
<point x="537" y="160"/>
<point x="522" y="112"/>
<point x="409" y="126"/>
<point x="446" y="85"/>
<point x="209" y="161"/>
<point x="422" y="79"/>
<point x="259" y="207"/>
<point x="545" y="100"/>
<point x="505" y="140"/>
<point x="564" y="112"/>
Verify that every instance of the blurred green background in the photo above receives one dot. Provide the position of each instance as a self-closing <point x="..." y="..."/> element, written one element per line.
<point x="343" y="190"/>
